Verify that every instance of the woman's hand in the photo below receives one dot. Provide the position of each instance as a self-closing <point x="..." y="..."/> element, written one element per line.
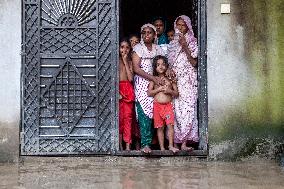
<point x="183" y="43"/>
<point x="187" y="50"/>
<point x="158" y="81"/>
<point x="171" y="75"/>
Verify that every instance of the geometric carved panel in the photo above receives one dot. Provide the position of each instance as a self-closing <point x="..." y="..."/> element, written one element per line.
<point x="67" y="98"/>
<point x="104" y="76"/>
<point x="63" y="40"/>
<point x="69" y="77"/>
<point x="30" y="80"/>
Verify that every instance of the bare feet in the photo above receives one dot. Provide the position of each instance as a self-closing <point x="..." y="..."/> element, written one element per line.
<point x="173" y="149"/>
<point x="146" y="150"/>
<point x="127" y="147"/>
<point x="185" y="148"/>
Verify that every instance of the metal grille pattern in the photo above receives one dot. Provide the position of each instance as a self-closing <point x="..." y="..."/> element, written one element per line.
<point x="63" y="40"/>
<point x="67" y="98"/>
<point x="30" y="80"/>
<point x="63" y="146"/>
<point x="104" y="76"/>
<point x="69" y="77"/>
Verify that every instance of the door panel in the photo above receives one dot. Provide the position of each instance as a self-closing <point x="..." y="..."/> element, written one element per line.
<point x="69" y="77"/>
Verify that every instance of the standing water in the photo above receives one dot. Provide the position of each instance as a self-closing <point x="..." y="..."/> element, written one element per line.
<point x="114" y="172"/>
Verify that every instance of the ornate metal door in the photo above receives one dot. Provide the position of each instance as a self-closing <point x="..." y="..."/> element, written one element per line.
<point x="69" y="77"/>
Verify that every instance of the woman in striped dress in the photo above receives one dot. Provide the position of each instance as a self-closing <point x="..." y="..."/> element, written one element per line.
<point x="143" y="54"/>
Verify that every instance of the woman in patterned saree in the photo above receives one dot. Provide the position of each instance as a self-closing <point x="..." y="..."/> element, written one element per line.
<point x="143" y="54"/>
<point x="182" y="54"/>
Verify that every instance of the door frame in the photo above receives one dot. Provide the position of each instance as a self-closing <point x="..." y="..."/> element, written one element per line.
<point x="202" y="87"/>
<point x="202" y="76"/>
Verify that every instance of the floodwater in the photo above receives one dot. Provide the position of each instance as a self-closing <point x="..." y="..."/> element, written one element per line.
<point x="128" y="173"/>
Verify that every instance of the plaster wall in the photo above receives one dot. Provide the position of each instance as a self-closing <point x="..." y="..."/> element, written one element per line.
<point x="245" y="78"/>
<point x="10" y="73"/>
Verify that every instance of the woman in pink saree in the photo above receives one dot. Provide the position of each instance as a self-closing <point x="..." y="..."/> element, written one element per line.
<point x="182" y="53"/>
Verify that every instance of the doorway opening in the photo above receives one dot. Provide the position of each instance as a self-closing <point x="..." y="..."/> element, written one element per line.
<point x="133" y="14"/>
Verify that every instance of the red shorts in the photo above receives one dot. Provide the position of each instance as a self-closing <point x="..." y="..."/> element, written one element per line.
<point x="163" y="114"/>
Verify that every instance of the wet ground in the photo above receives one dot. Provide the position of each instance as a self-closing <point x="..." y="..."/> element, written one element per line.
<point x="121" y="172"/>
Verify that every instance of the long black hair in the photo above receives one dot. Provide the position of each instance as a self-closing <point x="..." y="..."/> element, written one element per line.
<point x="155" y="62"/>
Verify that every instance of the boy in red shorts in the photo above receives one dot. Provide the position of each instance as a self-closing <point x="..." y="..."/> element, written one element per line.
<point x="126" y="95"/>
<point x="163" y="109"/>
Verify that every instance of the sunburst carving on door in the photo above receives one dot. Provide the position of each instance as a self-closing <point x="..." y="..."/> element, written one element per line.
<point x="68" y="13"/>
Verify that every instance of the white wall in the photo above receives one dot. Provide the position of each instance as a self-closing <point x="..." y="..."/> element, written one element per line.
<point x="10" y="71"/>
<point x="10" y="60"/>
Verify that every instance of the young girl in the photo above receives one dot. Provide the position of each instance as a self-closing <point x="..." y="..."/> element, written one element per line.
<point x="163" y="95"/>
<point x="126" y="94"/>
<point x="134" y="40"/>
<point x="171" y="34"/>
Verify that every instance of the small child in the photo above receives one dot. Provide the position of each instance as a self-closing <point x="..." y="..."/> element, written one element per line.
<point x="126" y="94"/>
<point x="163" y="109"/>
<point x="134" y="40"/>
<point x="171" y="34"/>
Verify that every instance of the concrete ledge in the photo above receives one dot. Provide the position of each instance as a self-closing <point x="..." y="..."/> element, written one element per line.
<point x="159" y="153"/>
<point x="132" y="153"/>
<point x="112" y="160"/>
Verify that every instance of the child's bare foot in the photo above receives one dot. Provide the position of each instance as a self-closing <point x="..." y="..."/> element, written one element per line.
<point x="146" y="150"/>
<point x="173" y="149"/>
<point x="127" y="147"/>
<point x="185" y="148"/>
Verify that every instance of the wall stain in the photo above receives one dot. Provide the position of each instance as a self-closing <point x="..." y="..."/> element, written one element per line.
<point x="261" y="115"/>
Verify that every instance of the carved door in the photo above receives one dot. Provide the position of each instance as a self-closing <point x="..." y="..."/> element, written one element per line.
<point x="69" y="77"/>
